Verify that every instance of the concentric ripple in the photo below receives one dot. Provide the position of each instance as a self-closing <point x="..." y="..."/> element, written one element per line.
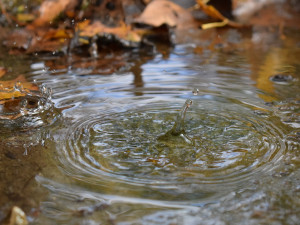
<point x="122" y="150"/>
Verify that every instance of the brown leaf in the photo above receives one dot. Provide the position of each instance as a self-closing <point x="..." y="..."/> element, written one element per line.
<point x="50" y="9"/>
<point x="160" y="12"/>
<point x="49" y="40"/>
<point x="2" y="71"/>
<point x="122" y="32"/>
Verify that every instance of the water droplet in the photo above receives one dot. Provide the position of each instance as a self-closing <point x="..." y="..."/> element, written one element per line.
<point x="94" y="48"/>
<point x="49" y="93"/>
<point x="18" y="86"/>
<point x="196" y="91"/>
<point x="26" y="150"/>
<point x="43" y="89"/>
<point x="24" y="103"/>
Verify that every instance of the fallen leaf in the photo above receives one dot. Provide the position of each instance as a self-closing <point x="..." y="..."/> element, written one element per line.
<point x="160" y="12"/>
<point x="49" y="40"/>
<point x="50" y="9"/>
<point x="124" y="33"/>
<point x="2" y="71"/>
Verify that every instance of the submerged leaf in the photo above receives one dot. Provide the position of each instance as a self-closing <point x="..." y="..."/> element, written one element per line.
<point x="8" y="90"/>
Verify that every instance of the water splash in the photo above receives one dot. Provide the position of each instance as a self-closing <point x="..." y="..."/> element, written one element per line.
<point x="93" y="50"/>
<point x="25" y="108"/>
<point x="178" y="129"/>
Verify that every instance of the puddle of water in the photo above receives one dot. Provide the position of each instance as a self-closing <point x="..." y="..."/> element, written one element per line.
<point x="114" y="155"/>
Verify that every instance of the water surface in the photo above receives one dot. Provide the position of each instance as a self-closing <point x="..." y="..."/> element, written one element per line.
<point x="94" y="154"/>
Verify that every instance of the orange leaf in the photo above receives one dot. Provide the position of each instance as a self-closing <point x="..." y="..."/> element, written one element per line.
<point x="122" y="32"/>
<point x="56" y="34"/>
<point x="50" y="9"/>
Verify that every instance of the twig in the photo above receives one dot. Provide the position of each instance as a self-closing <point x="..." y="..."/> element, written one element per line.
<point x="3" y="10"/>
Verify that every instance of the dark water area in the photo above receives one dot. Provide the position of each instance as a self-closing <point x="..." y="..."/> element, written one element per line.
<point x="91" y="144"/>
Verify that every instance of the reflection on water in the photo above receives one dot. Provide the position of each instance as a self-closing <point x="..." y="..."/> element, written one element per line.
<point x="126" y="152"/>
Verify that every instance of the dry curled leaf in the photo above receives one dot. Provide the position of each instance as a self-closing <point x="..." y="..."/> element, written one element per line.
<point x="160" y="12"/>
